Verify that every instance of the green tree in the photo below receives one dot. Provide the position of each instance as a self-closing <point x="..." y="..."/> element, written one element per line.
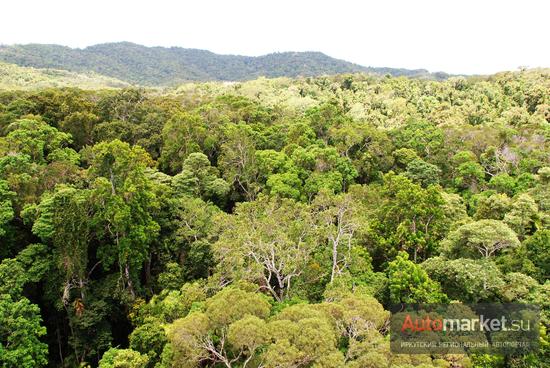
<point x="36" y="139"/>
<point x="422" y="172"/>
<point x="425" y="138"/>
<point x="410" y="218"/>
<point x="409" y="283"/>
<point x="149" y="339"/>
<point x="125" y="203"/>
<point x="191" y="228"/>
<point x="64" y="219"/>
<point x="323" y="168"/>
<point x="480" y="238"/>
<point x="198" y="178"/>
<point x="237" y="160"/>
<point x="523" y="216"/>
<point x="6" y="208"/>
<point x="302" y="335"/>
<point x="229" y="331"/>
<point x="80" y="126"/>
<point x="338" y="222"/>
<point x="538" y="252"/>
<point x="492" y="206"/>
<point x="123" y="358"/>
<point x="469" y="173"/>
<point x="183" y="134"/>
<point x="20" y="334"/>
<point x="269" y="241"/>
<point x="503" y="183"/>
<point x="285" y="185"/>
<point x="468" y="280"/>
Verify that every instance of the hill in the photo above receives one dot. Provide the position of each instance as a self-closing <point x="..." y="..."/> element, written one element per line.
<point x="18" y="77"/>
<point x="154" y="66"/>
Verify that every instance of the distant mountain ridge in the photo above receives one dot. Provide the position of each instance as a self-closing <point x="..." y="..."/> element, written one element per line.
<point x="161" y="66"/>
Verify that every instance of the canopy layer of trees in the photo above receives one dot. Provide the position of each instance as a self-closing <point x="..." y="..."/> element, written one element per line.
<point x="270" y="223"/>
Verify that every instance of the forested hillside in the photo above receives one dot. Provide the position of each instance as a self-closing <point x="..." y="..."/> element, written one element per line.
<point x="268" y="223"/>
<point x="17" y="77"/>
<point x="160" y="66"/>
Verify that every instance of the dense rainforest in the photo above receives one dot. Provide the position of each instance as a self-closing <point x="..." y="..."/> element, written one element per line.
<point x="268" y="223"/>
<point x="161" y="66"/>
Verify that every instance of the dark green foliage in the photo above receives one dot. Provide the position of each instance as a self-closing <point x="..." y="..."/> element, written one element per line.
<point x="167" y="66"/>
<point x="266" y="223"/>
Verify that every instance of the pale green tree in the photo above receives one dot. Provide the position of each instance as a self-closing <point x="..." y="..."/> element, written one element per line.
<point x="483" y="238"/>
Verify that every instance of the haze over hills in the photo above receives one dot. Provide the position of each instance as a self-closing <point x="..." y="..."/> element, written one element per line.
<point x="160" y="66"/>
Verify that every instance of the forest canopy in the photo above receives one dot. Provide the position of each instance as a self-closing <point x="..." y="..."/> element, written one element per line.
<point x="268" y="223"/>
<point x="169" y="66"/>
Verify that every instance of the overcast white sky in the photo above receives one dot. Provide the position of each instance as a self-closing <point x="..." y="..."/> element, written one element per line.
<point x="466" y="36"/>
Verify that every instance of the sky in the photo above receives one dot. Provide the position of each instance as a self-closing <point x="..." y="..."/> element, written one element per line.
<point x="464" y="37"/>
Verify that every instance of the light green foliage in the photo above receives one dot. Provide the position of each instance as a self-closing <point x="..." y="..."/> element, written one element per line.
<point x="361" y="314"/>
<point x="21" y="329"/>
<point x="29" y="266"/>
<point x="231" y="305"/>
<point x="423" y="137"/>
<point x="123" y="358"/>
<point x="16" y="77"/>
<point x="272" y="162"/>
<point x="248" y="334"/>
<point x="465" y="279"/>
<point x="523" y="216"/>
<point x="280" y="175"/>
<point x="13" y="277"/>
<point x="20" y="334"/>
<point x="238" y="162"/>
<point x="409" y="283"/>
<point x="286" y="185"/>
<point x="169" y="305"/>
<point x="230" y="329"/>
<point x="269" y="240"/>
<point x="404" y="156"/>
<point x="262" y="223"/>
<point x="299" y="335"/>
<point x="322" y="168"/>
<point x="339" y="219"/>
<point x="503" y="183"/>
<point x="517" y="287"/>
<point x="494" y="206"/>
<point x="454" y="209"/>
<point x="22" y="177"/>
<point x="36" y="260"/>
<point x="367" y="147"/>
<point x="149" y="339"/>
<point x="192" y="221"/>
<point x="483" y="238"/>
<point x="36" y="139"/>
